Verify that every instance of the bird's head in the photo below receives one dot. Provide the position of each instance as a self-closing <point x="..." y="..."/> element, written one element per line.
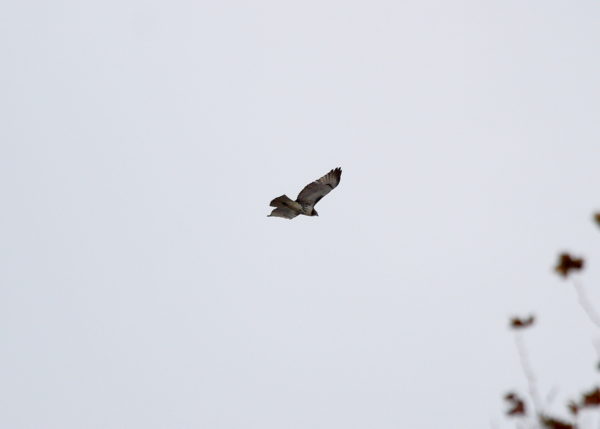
<point x="314" y="213"/>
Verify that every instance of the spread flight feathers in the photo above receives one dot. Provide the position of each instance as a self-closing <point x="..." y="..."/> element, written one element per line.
<point x="308" y="197"/>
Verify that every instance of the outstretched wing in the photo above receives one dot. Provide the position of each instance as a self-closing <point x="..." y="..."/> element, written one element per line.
<point x="314" y="191"/>
<point x="284" y="212"/>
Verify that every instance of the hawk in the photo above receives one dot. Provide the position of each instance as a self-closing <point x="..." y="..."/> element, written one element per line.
<point x="307" y="198"/>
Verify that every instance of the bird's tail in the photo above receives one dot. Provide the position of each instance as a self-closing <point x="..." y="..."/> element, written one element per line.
<point x="284" y="201"/>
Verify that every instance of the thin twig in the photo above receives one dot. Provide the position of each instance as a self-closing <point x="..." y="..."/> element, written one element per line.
<point x="596" y="345"/>
<point x="550" y="396"/>
<point x="528" y="372"/>
<point x="585" y="304"/>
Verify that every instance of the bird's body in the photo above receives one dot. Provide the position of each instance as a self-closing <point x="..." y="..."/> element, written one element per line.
<point x="312" y="193"/>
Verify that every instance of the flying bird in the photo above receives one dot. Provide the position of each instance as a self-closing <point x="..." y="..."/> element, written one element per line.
<point x="307" y="198"/>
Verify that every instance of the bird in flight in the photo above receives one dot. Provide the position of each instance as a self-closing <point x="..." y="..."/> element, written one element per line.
<point x="307" y="198"/>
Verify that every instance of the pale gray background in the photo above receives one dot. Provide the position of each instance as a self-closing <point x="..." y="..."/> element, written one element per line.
<point x="143" y="286"/>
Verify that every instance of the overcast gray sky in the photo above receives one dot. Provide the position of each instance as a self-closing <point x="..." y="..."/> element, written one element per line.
<point x="143" y="286"/>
